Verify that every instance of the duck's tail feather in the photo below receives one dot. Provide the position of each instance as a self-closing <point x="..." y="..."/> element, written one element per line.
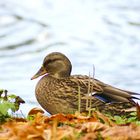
<point x="112" y="94"/>
<point x="120" y="93"/>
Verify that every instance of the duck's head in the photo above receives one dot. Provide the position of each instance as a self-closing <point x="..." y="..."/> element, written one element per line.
<point x="55" y="64"/>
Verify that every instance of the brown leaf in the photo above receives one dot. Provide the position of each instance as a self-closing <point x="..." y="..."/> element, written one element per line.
<point x="93" y="126"/>
<point x="35" y="110"/>
<point x="122" y="132"/>
<point x="103" y="118"/>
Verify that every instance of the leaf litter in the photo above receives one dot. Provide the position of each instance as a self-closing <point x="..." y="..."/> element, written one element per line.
<point x="68" y="127"/>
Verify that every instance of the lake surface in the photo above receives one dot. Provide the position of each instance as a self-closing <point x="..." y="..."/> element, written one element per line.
<point x="103" y="33"/>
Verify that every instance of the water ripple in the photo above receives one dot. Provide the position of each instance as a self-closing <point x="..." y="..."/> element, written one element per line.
<point x="103" y="33"/>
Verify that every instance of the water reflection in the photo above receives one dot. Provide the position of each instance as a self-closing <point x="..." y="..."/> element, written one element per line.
<point x="103" y="33"/>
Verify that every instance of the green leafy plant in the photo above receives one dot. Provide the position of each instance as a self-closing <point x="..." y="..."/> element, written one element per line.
<point x="8" y="104"/>
<point x="131" y="118"/>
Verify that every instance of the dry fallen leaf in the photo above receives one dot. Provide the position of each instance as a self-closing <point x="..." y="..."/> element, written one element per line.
<point x="73" y="127"/>
<point x="126" y="132"/>
<point x="35" y="110"/>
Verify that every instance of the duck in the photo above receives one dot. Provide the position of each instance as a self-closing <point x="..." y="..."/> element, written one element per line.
<point x="60" y="92"/>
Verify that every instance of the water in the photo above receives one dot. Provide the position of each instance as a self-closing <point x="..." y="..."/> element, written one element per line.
<point x="103" y="33"/>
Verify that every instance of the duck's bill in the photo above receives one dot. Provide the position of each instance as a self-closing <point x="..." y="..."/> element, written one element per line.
<point x="41" y="71"/>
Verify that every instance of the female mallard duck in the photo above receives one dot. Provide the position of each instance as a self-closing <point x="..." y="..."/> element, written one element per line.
<point x="57" y="91"/>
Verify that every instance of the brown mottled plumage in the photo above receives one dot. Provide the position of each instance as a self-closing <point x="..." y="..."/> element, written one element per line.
<point x="57" y="91"/>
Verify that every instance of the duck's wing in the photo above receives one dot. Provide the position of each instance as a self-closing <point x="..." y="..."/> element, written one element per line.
<point x="82" y="85"/>
<point x="113" y="94"/>
<point x="103" y="91"/>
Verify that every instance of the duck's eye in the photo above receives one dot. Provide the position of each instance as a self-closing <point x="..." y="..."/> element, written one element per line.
<point x="49" y="61"/>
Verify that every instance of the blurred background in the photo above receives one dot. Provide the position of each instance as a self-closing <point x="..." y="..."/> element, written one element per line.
<point x="103" y="33"/>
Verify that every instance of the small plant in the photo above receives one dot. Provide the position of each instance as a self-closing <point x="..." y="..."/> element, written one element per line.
<point x="131" y="118"/>
<point x="8" y="103"/>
